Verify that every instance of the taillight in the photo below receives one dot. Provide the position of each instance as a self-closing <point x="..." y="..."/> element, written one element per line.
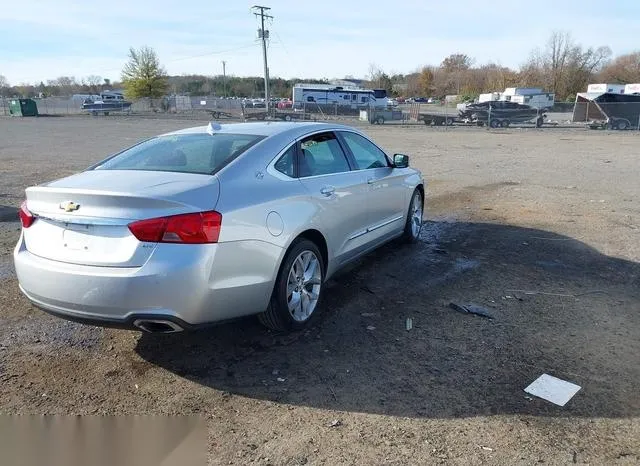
<point x="26" y="217"/>
<point x="195" y="228"/>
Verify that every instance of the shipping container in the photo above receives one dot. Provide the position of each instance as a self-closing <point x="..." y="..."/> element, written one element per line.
<point x="613" y="88"/>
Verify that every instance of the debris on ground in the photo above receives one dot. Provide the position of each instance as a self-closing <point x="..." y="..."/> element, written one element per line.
<point x="471" y="309"/>
<point x="369" y="314"/>
<point x="552" y="389"/>
<point x="281" y="379"/>
<point x="485" y="448"/>
<point x="335" y="423"/>
<point x="370" y="327"/>
<point x="409" y="323"/>
<point x="367" y="289"/>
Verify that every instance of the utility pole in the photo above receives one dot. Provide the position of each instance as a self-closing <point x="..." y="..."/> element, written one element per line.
<point x="264" y="35"/>
<point x="224" y="78"/>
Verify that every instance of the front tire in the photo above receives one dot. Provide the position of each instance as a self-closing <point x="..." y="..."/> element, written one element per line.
<point x="298" y="288"/>
<point x="413" y="225"/>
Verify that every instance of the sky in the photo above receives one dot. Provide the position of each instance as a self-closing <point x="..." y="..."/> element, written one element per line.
<point x="44" y="39"/>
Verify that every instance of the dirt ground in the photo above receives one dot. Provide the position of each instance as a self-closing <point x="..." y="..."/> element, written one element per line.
<point x="541" y="227"/>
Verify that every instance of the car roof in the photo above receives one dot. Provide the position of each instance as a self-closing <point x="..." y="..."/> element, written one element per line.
<point x="266" y="128"/>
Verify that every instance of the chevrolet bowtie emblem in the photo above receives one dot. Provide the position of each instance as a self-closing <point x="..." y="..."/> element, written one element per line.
<point x="69" y="206"/>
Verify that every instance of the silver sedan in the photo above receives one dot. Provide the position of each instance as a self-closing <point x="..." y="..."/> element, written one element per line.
<point x="213" y="223"/>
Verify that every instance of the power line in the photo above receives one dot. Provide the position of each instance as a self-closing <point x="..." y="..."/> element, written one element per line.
<point x="211" y="53"/>
<point x="264" y="35"/>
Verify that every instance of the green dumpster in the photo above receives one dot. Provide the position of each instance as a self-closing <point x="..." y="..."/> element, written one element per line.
<point x="23" y="107"/>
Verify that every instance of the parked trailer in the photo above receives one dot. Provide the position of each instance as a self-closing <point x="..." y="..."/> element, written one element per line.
<point x="616" y="111"/>
<point x="219" y="114"/>
<point x="379" y="116"/>
<point x="290" y="115"/>
<point x="276" y="115"/>
<point x="436" y="119"/>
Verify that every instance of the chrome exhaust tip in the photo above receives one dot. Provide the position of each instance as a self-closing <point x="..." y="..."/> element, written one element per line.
<point x="157" y="326"/>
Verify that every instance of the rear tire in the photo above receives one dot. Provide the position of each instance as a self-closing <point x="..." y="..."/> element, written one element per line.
<point x="297" y="282"/>
<point x="622" y="125"/>
<point x="413" y="225"/>
<point x="494" y="123"/>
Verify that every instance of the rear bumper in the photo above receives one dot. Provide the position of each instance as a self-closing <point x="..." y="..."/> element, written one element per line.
<point x="190" y="285"/>
<point x="109" y="322"/>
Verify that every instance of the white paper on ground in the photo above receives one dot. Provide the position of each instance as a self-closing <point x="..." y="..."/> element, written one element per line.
<point x="552" y="389"/>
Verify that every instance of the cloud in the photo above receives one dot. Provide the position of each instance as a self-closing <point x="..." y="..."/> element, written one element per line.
<point x="330" y="39"/>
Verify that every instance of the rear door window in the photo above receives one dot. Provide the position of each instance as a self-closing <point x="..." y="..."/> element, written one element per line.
<point x="321" y="154"/>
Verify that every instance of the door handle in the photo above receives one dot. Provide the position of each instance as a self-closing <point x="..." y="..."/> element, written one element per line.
<point x="328" y="190"/>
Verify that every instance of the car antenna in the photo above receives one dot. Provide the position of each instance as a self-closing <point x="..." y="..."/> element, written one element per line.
<point x="213" y="127"/>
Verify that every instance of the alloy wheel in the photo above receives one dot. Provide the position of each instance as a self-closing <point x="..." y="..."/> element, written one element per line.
<point x="303" y="286"/>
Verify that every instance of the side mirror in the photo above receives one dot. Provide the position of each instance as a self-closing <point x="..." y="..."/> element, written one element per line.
<point x="400" y="161"/>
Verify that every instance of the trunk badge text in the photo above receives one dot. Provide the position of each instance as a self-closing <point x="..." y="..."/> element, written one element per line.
<point x="69" y="206"/>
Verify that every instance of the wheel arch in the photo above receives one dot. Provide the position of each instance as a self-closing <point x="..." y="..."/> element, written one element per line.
<point x="317" y="238"/>
<point x="420" y="187"/>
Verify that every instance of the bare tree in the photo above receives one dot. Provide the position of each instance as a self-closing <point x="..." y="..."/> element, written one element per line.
<point x="425" y="81"/>
<point x="456" y="65"/>
<point x="374" y="72"/>
<point x="94" y="82"/>
<point x="63" y="85"/>
<point x="563" y="66"/>
<point x="4" y="85"/>
<point x="624" y="69"/>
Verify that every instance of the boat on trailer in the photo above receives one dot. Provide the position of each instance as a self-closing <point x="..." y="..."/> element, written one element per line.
<point x="107" y="103"/>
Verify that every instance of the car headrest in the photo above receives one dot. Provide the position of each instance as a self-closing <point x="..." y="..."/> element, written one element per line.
<point x="176" y="159"/>
<point x="307" y="164"/>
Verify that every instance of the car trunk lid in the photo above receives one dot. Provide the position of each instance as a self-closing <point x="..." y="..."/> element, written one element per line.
<point x="83" y="219"/>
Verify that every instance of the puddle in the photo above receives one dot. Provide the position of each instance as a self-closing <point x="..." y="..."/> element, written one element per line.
<point x="8" y="213"/>
<point x="462" y="265"/>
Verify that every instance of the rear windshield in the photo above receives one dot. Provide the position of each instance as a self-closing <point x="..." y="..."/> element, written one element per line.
<point x="187" y="153"/>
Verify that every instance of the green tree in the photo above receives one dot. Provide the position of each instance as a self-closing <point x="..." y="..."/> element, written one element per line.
<point x="143" y="76"/>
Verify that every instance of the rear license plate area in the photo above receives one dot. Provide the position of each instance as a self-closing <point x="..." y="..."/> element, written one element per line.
<point x="76" y="237"/>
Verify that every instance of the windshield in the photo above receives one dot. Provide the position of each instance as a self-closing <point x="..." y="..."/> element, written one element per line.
<point x="186" y="153"/>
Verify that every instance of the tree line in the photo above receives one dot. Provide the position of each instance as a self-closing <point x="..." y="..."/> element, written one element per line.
<point x="561" y="66"/>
